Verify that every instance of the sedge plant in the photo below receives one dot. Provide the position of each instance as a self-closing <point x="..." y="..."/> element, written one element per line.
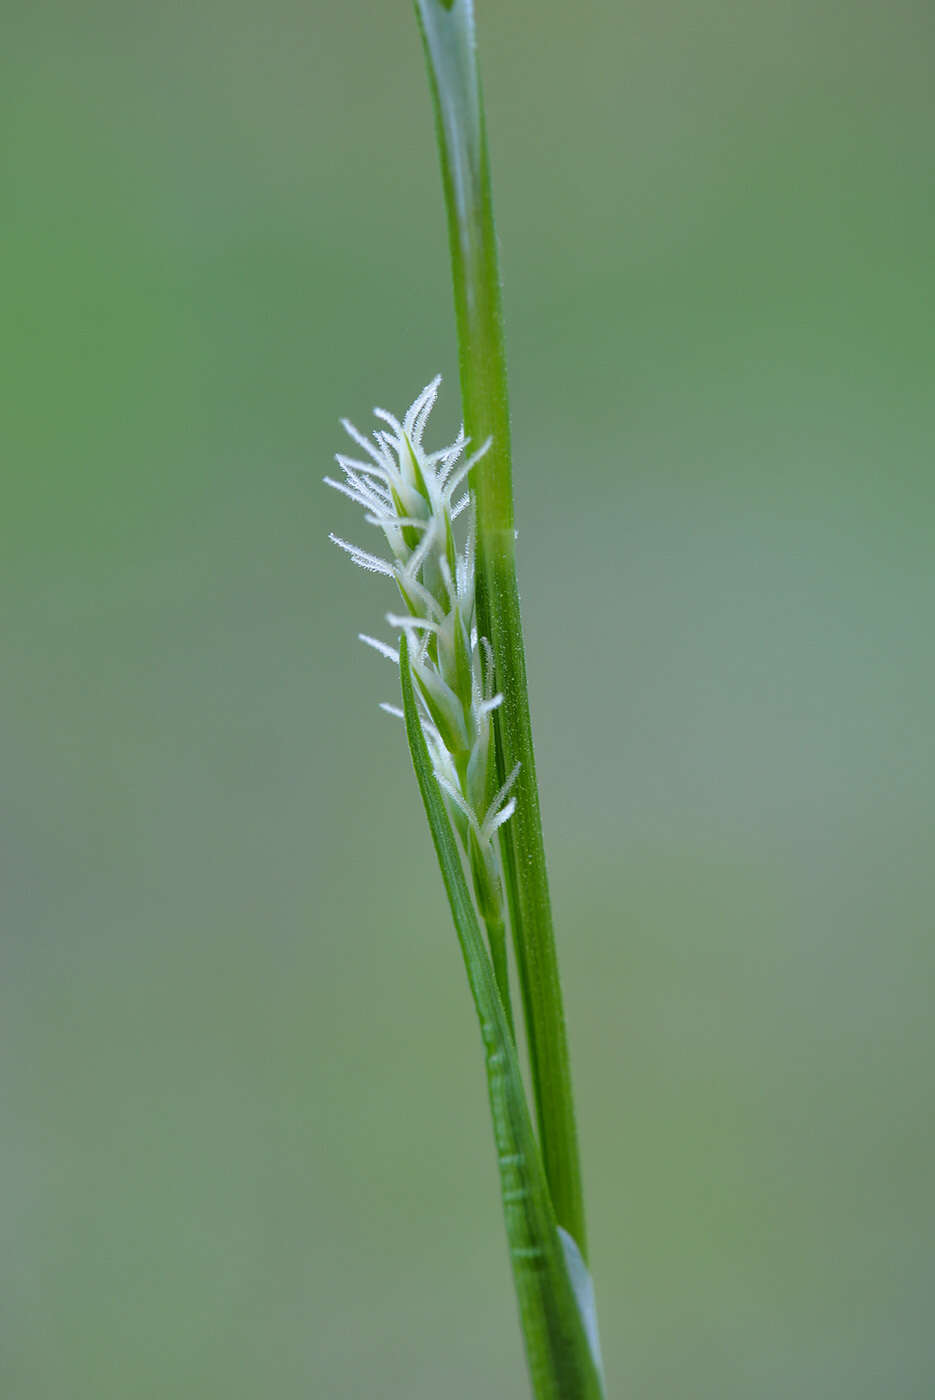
<point x="446" y="521"/>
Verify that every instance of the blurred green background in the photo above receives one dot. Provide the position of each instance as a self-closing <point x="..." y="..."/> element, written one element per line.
<point x="243" y="1134"/>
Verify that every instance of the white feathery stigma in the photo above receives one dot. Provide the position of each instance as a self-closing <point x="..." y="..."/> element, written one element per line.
<point x="414" y="497"/>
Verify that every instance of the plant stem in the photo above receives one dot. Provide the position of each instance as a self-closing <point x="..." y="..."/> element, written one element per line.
<point x="496" y="938"/>
<point x="556" y="1316"/>
<point x="448" y="35"/>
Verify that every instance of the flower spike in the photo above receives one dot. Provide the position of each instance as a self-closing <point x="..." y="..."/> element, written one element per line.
<point x="414" y="497"/>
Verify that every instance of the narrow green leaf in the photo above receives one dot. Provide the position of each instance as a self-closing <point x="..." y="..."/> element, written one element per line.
<point x="558" y="1348"/>
<point x="450" y="48"/>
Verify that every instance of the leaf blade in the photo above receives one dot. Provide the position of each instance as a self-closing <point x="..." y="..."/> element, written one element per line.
<point x="558" y="1350"/>
<point x="449" y="39"/>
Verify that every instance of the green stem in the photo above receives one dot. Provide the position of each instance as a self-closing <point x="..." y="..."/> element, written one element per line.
<point x="448" y="34"/>
<point x="553" y="1291"/>
<point x="496" y="938"/>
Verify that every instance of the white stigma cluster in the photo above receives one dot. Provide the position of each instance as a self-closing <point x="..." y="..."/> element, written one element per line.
<point x="410" y="495"/>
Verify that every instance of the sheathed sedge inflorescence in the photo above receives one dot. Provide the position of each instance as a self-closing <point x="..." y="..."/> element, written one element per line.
<point x="412" y="496"/>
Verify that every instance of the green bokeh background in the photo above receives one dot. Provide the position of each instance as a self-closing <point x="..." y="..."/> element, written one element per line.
<point x="243" y="1137"/>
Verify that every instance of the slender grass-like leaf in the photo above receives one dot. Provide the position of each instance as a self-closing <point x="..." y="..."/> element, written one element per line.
<point x="448" y="34"/>
<point x="558" y="1329"/>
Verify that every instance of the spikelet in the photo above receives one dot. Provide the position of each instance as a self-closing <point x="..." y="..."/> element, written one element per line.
<point x="414" y="497"/>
